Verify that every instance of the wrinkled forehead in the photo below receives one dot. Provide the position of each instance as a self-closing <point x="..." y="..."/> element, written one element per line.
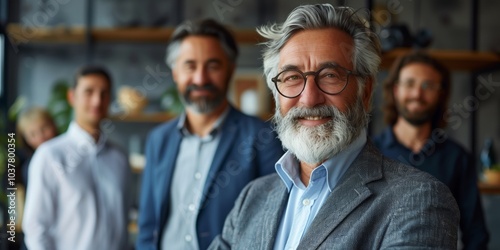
<point x="308" y="49"/>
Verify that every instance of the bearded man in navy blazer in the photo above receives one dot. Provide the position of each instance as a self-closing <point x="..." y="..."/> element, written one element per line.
<point x="197" y="164"/>
<point x="333" y="189"/>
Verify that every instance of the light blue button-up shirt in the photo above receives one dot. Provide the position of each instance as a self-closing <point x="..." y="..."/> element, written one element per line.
<point x="191" y="170"/>
<point x="305" y="202"/>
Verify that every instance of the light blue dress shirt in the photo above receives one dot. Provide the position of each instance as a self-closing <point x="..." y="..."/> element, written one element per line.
<point x="305" y="202"/>
<point x="191" y="170"/>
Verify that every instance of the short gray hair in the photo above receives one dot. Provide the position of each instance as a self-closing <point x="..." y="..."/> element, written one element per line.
<point x="366" y="51"/>
<point x="205" y="27"/>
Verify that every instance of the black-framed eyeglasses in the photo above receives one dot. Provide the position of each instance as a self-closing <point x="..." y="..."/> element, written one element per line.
<point x="331" y="79"/>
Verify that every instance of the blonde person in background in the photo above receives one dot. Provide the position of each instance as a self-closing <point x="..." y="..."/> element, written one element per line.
<point x="35" y="126"/>
<point x="78" y="193"/>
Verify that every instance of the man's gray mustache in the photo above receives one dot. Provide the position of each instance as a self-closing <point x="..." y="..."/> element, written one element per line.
<point x="323" y="111"/>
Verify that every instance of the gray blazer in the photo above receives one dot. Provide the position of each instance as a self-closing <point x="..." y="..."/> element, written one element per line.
<point x="378" y="204"/>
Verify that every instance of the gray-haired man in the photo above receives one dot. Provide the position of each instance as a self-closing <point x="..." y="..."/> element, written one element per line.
<point x="333" y="189"/>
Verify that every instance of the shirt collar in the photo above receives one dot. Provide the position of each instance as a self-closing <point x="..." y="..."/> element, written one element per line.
<point x="182" y="126"/>
<point x="82" y="136"/>
<point x="287" y="166"/>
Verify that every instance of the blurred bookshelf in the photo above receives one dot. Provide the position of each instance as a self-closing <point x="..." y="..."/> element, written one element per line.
<point x="461" y="60"/>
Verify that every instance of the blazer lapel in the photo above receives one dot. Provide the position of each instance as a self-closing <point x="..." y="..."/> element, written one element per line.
<point x="164" y="173"/>
<point x="228" y="135"/>
<point x="276" y="204"/>
<point x="349" y="194"/>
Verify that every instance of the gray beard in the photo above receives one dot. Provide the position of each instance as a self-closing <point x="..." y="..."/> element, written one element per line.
<point x="314" y="145"/>
<point x="203" y="105"/>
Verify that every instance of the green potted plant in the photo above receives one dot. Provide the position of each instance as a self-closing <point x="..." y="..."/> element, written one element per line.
<point x="171" y="101"/>
<point x="59" y="107"/>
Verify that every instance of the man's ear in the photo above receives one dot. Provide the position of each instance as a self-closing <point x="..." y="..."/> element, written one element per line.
<point x="368" y="91"/>
<point x="70" y="95"/>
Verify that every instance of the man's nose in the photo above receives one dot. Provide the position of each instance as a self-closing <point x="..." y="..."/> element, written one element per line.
<point x="417" y="91"/>
<point x="311" y="96"/>
<point x="200" y="76"/>
<point x="97" y="99"/>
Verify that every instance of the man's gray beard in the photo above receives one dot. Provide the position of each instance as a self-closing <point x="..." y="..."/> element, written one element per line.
<point x="314" y="145"/>
<point x="203" y="105"/>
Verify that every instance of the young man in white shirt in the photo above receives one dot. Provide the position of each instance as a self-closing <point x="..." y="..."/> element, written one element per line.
<point x="78" y="180"/>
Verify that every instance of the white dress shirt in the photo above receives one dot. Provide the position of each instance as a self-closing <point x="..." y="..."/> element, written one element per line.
<point x="77" y="195"/>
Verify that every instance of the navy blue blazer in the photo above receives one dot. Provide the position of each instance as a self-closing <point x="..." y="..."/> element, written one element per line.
<point x="248" y="149"/>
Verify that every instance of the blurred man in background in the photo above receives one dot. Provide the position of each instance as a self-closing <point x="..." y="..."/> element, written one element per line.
<point x="416" y="96"/>
<point x="78" y="192"/>
<point x="197" y="164"/>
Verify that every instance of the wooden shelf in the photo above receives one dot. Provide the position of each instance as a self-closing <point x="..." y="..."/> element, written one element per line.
<point x="25" y="35"/>
<point x="453" y="59"/>
<point x="485" y="188"/>
<point x="151" y="35"/>
<point x="142" y="117"/>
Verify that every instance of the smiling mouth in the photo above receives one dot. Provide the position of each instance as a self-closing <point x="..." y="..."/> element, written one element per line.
<point x="416" y="101"/>
<point x="314" y="118"/>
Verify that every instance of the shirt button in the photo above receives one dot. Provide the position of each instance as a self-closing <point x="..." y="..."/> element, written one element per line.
<point x="197" y="175"/>
<point x="306" y="202"/>
<point x="188" y="238"/>
<point x="191" y="207"/>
